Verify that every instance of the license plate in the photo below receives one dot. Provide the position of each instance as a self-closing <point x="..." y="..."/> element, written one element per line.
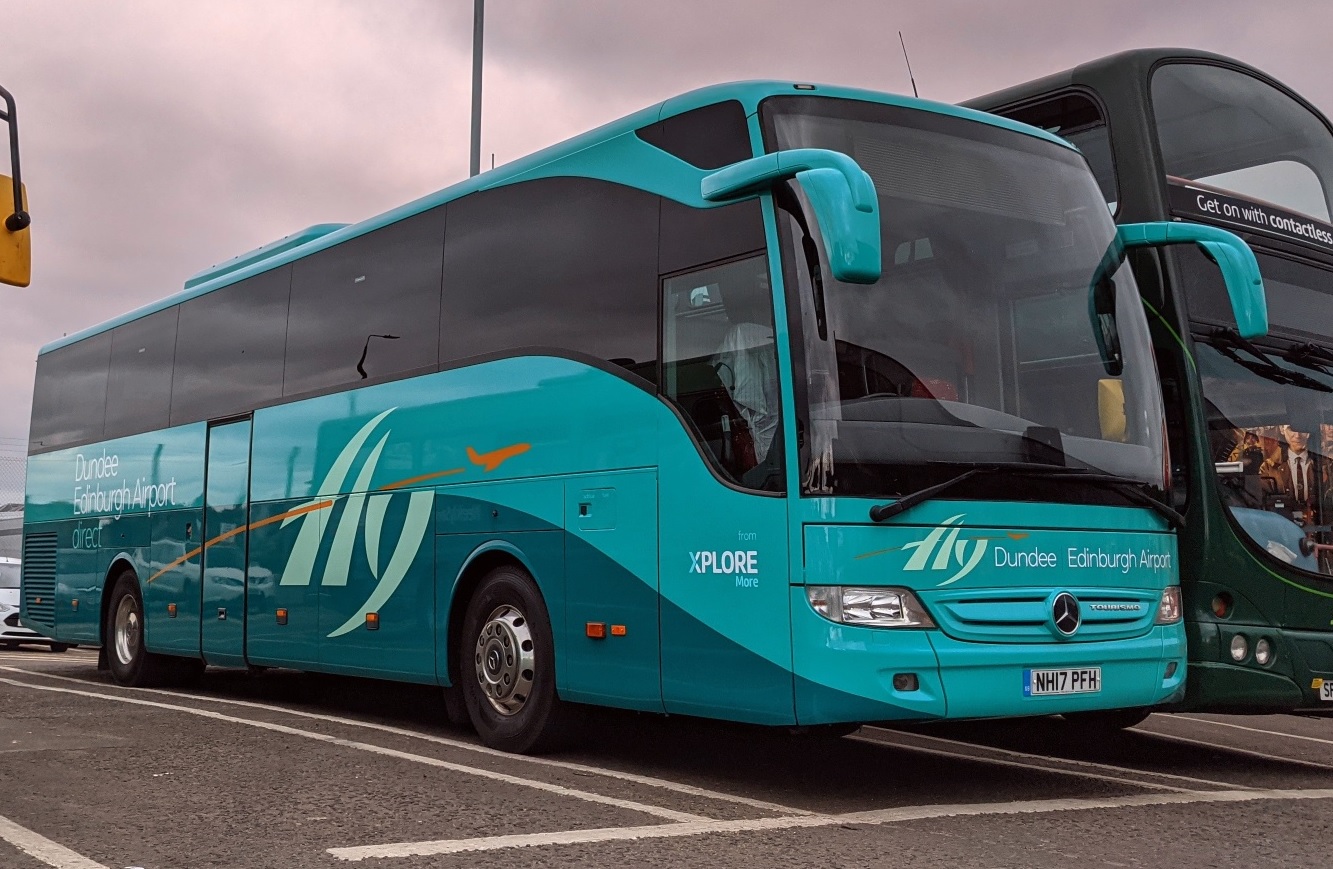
<point x="1326" y="691"/>
<point x="1044" y="683"/>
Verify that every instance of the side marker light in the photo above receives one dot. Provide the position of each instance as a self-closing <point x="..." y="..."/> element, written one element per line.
<point x="282" y="616"/>
<point x="171" y="610"/>
<point x="372" y="621"/>
<point x="596" y="630"/>
<point x="617" y="630"/>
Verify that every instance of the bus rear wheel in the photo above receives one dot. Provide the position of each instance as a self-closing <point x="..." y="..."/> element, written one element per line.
<point x="507" y="666"/>
<point x="129" y="660"/>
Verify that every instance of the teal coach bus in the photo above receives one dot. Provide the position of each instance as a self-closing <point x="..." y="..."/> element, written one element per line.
<point x="1185" y="135"/>
<point x="774" y="402"/>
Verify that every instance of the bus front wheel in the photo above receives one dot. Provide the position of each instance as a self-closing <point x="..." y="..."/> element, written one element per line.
<point x="507" y="666"/>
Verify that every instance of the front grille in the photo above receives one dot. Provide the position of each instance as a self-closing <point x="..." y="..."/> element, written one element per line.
<point x="39" y="580"/>
<point x="1024" y="615"/>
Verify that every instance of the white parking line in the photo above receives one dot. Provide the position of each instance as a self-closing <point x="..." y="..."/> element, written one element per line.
<point x="669" y="814"/>
<point x="663" y="784"/>
<point x="995" y="761"/>
<point x="1090" y="764"/>
<point x="883" y="816"/>
<point x="42" y="848"/>
<point x="1231" y="749"/>
<point x="1254" y="729"/>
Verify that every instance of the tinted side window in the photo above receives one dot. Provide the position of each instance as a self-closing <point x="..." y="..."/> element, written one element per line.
<point x="69" y="404"/>
<point x="709" y="138"/>
<point x="693" y="236"/>
<point x="368" y="308"/>
<point x="1077" y="118"/>
<point x="230" y="348"/>
<point x="561" y="262"/>
<point x="138" y="390"/>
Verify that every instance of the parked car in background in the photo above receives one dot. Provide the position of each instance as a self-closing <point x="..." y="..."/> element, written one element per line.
<point x="12" y="631"/>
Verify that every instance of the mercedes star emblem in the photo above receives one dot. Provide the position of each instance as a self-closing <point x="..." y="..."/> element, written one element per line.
<point x="1065" y="614"/>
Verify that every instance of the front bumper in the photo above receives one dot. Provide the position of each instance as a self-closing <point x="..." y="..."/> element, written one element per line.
<point x="845" y="673"/>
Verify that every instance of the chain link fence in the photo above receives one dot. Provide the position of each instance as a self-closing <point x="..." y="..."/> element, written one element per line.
<point x="13" y="462"/>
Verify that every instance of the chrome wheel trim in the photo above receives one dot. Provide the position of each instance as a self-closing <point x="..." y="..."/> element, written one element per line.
<point x="128" y="630"/>
<point x="505" y="660"/>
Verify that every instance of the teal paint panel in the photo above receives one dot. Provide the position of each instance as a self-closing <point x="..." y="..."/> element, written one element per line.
<point x="491" y="508"/>
<point x="226" y="516"/>
<point x="175" y="535"/>
<point x="271" y="539"/>
<point x="726" y="618"/>
<point x="957" y="554"/>
<point x="706" y="672"/>
<point x="845" y="673"/>
<point x="379" y="561"/>
<point x="79" y="575"/>
<point x="503" y="420"/>
<point x="156" y="471"/>
<point x="130" y="531"/>
<point x="542" y="554"/>
<point x="611" y="578"/>
<point x="1000" y="514"/>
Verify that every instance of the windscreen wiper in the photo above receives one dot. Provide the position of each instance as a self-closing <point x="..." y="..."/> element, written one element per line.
<point x="1310" y="356"/>
<point x="1228" y="341"/>
<point x="1133" y="490"/>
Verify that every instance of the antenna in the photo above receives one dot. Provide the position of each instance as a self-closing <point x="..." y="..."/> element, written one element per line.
<point x="909" y="64"/>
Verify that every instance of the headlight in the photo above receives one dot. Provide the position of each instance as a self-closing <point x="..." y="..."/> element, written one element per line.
<point x="1263" y="652"/>
<point x="872" y="607"/>
<point x="1240" y="648"/>
<point x="1168" y="611"/>
<point x="4" y="607"/>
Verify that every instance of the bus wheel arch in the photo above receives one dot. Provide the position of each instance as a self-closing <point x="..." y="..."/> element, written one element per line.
<point x="478" y="565"/>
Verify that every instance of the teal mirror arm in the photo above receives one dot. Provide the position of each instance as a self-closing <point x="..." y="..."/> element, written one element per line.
<point x="1240" y="270"/>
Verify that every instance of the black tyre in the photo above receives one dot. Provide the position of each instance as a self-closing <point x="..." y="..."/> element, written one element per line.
<point x="60" y="647"/>
<point x="507" y="666"/>
<point x="129" y="661"/>
<point x="1109" y="721"/>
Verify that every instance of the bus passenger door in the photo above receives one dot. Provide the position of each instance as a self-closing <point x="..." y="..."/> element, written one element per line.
<point x="226" y="515"/>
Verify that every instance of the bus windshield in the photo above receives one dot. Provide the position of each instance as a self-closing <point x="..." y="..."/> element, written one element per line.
<point x="1229" y="130"/>
<point x="1003" y="330"/>
<point x="1270" y="407"/>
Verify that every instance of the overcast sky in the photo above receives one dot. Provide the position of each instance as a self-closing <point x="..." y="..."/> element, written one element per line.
<point x="160" y="137"/>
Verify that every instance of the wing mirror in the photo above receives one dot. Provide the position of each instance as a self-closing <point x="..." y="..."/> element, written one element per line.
<point x="840" y="192"/>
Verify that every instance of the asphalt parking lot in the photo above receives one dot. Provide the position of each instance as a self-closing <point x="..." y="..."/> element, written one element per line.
<point x="291" y="770"/>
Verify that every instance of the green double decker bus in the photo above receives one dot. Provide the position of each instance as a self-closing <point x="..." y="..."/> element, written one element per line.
<point x="1185" y="135"/>
<point x="777" y="403"/>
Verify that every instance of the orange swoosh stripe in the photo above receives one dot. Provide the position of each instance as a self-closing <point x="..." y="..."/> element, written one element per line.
<point x="410" y="481"/>
<point x="299" y="511"/>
